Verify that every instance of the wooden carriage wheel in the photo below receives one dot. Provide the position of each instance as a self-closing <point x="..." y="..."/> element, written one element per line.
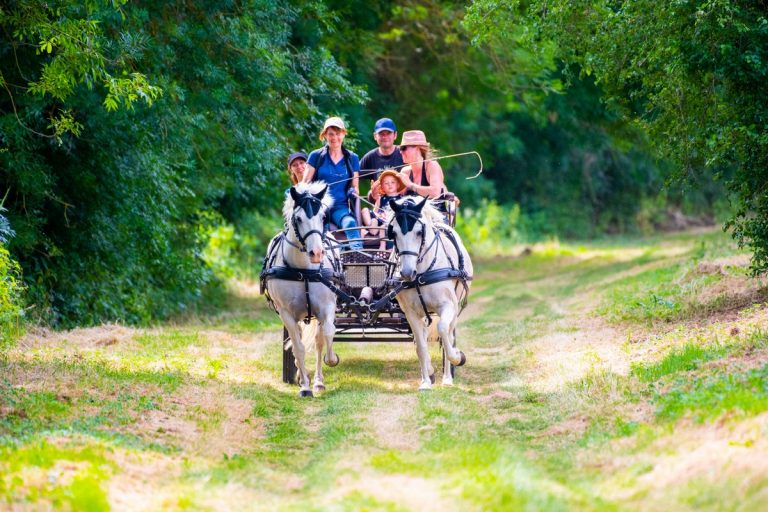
<point x="290" y="371"/>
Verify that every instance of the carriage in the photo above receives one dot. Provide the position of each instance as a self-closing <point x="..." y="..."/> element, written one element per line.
<point x="366" y="309"/>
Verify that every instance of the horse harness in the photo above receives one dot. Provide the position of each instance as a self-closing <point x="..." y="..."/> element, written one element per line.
<point x="311" y="206"/>
<point x="431" y="275"/>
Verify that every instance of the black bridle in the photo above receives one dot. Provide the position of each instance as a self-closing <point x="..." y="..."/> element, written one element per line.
<point x="407" y="220"/>
<point x="312" y="206"/>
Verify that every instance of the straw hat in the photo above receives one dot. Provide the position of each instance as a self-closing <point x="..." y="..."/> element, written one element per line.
<point x="389" y="172"/>
<point x="414" y="138"/>
<point x="336" y="122"/>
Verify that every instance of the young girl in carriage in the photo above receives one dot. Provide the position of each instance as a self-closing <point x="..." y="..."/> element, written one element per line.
<point x="387" y="188"/>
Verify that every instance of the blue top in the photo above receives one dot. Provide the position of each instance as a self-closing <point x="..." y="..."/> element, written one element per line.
<point x="330" y="173"/>
<point x="385" y="200"/>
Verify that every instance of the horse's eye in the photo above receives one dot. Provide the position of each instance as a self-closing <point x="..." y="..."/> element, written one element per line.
<point x="420" y="232"/>
<point x="298" y="219"/>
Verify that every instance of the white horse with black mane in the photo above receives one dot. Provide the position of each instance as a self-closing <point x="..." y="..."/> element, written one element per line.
<point x="436" y="272"/>
<point x="298" y="275"/>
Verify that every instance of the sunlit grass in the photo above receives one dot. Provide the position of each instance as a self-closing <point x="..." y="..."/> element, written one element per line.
<point x="69" y="475"/>
<point x="204" y="396"/>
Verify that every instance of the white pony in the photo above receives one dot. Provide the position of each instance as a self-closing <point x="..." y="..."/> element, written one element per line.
<point x="297" y="262"/>
<point x="436" y="271"/>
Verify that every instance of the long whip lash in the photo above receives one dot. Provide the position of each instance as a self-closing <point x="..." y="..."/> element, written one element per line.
<point x="367" y="172"/>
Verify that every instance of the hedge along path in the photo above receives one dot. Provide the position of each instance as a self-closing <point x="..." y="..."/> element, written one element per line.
<point x="546" y="414"/>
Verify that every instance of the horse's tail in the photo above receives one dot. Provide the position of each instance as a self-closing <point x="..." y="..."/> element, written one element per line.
<point x="308" y="334"/>
<point x="432" y="334"/>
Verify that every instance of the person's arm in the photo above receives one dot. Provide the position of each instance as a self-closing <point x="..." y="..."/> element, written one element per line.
<point x="435" y="179"/>
<point x="309" y="173"/>
<point x="405" y="175"/>
<point x="355" y="161"/>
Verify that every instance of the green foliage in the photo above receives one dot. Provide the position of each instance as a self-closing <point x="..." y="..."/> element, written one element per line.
<point x="489" y="226"/>
<point x="72" y="41"/>
<point x="692" y="73"/>
<point x="11" y="302"/>
<point x="255" y="230"/>
<point x="570" y="162"/>
<point x="108" y="223"/>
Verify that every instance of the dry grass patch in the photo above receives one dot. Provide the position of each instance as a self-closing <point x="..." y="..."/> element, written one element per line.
<point x="391" y="423"/>
<point x="87" y="338"/>
<point x="689" y="456"/>
<point x="202" y="421"/>
<point x="566" y="356"/>
<point x="406" y="491"/>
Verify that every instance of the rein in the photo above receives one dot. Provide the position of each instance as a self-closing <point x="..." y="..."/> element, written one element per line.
<point x="327" y="276"/>
<point x="430" y="275"/>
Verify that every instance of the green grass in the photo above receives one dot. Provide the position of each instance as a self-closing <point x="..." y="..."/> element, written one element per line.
<point x="70" y="476"/>
<point x="709" y="397"/>
<point x="203" y="401"/>
<point x="684" y="359"/>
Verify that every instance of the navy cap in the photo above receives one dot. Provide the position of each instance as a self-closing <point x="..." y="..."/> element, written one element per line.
<point x="294" y="156"/>
<point x="384" y="123"/>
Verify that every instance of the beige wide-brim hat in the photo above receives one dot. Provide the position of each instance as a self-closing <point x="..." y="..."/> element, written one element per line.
<point x="336" y="122"/>
<point x="389" y="172"/>
<point x="414" y="138"/>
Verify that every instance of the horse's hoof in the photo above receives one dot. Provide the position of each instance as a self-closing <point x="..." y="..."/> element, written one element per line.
<point x="330" y="363"/>
<point x="447" y="382"/>
<point x="425" y="387"/>
<point x="304" y="393"/>
<point x="319" y="388"/>
<point x="463" y="359"/>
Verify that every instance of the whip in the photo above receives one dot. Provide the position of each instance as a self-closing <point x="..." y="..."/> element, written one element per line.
<point x="368" y="172"/>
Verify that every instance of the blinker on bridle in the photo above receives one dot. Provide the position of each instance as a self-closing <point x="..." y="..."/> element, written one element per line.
<point x="311" y="206"/>
<point x="407" y="219"/>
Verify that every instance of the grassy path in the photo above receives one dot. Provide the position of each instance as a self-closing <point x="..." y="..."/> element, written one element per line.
<point x="628" y="377"/>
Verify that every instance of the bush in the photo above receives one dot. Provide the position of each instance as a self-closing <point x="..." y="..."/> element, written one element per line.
<point x="489" y="227"/>
<point x="11" y="311"/>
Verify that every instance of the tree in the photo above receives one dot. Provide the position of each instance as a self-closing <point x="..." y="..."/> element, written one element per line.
<point x="109" y="180"/>
<point x="569" y="161"/>
<point x="691" y="72"/>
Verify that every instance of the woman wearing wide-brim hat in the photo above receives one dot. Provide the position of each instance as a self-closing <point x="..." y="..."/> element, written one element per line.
<point x="421" y="176"/>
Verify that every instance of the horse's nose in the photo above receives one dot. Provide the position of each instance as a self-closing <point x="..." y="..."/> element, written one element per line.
<point x="316" y="255"/>
<point x="408" y="274"/>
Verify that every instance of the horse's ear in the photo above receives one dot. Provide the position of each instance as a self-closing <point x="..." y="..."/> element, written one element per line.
<point x="420" y="206"/>
<point x="396" y="207"/>
<point x="295" y="195"/>
<point x="321" y="194"/>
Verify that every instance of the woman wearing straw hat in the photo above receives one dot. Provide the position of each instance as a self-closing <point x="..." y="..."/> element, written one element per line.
<point x="340" y="169"/>
<point x="421" y="176"/>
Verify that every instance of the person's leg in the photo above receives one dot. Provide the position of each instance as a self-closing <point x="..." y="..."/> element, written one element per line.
<point x="368" y="222"/>
<point x="344" y="219"/>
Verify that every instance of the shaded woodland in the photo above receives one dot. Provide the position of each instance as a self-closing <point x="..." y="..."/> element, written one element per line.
<point x="142" y="144"/>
